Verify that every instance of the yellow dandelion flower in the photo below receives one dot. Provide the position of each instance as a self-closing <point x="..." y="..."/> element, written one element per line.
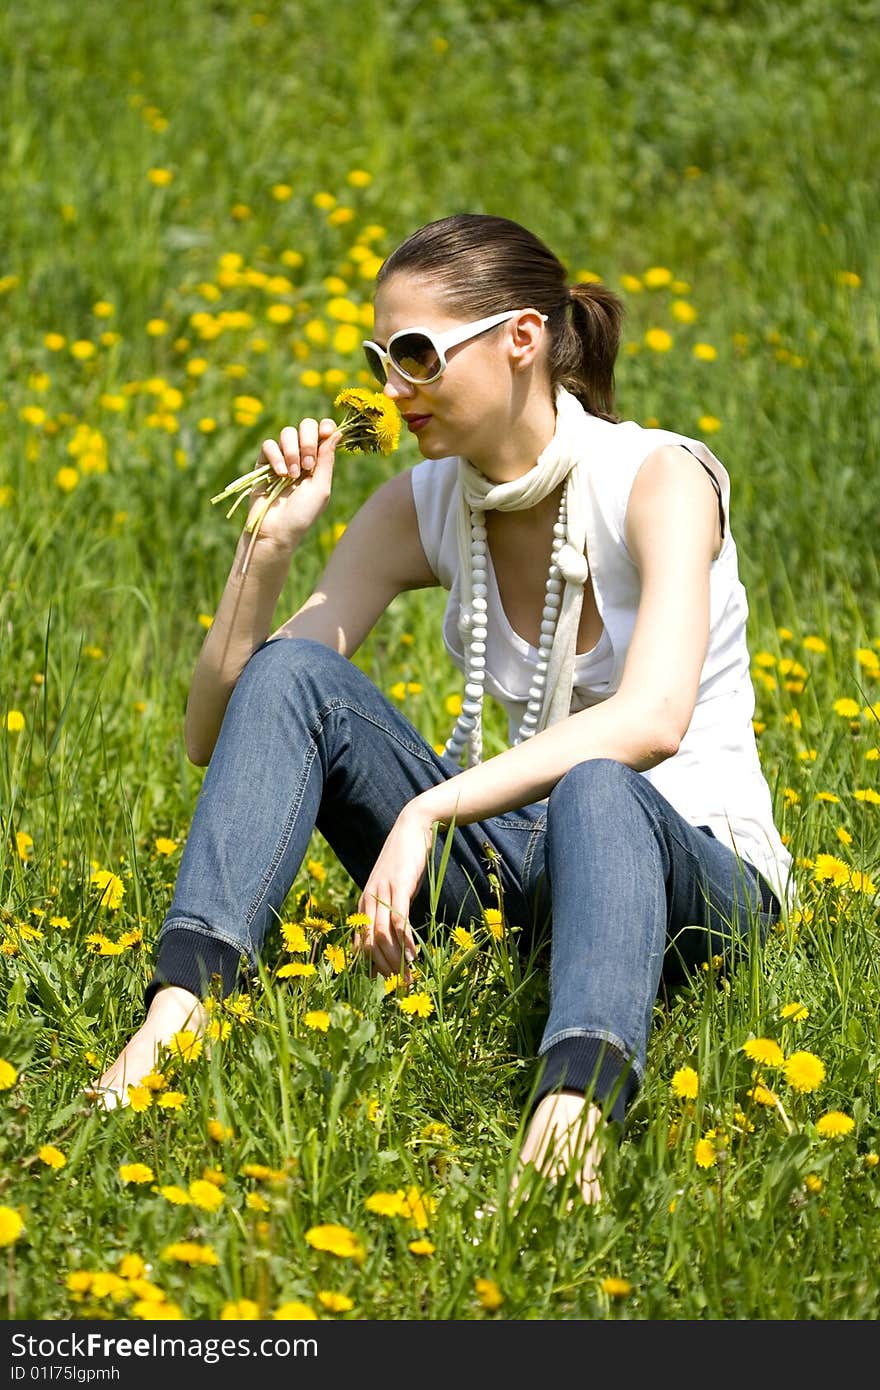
<point x="868" y="795"/>
<point x="827" y="867"/>
<point x="160" y="178"/>
<point x="392" y="982"/>
<point x="615" y="1287"/>
<point x="336" y="1240"/>
<point x="335" y="1302"/>
<point x="463" y="938"/>
<point x="420" y="1004"/>
<point x="186" y="1045"/>
<point x="11" y="1225"/>
<point x="488" y="1294"/>
<point x="872" y="1159"/>
<point x="24" y="844"/>
<point x="219" y="1132"/>
<point x="762" y="1095"/>
<point x="52" y="1157"/>
<point x="295" y="1312"/>
<point x="281" y="192"/>
<point x="764" y="1051"/>
<point x="709" y="424"/>
<point x="317" y="1019"/>
<point x="240" y="1310"/>
<point x="139" y="1098"/>
<point x="794" y="1012"/>
<point x="295" y="968"/>
<point x="190" y="1252"/>
<point x="849" y="278"/>
<point x="335" y="956"/>
<point x="136" y="1173"/>
<point x="846" y="708"/>
<point x="214" y="1175"/>
<point x="705" y="1153"/>
<point x="705" y="352"/>
<point x="813" y="1183"/>
<point x="206" y="1195"/>
<point x="834" y="1124"/>
<point x="67" y="478"/>
<point x="861" y="883"/>
<point x="804" y="1071"/>
<point x="685" y="1083"/>
<point x="359" y="178"/>
<point x="294" y="938"/>
<point x="657" y="277"/>
<point x="372" y="422"/>
<point x="658" y="339"/>
<point x="174" y="1194"/>
<point x="422" y="1246"/>
<point x="255" y="1202"/>
<point x="420" y="1207"/>
<point x="8" y="1075"/>
<point x="387" y="1203"/>
<point x="165" y="846"/>
<point x="317" y="923"/>
<point x="358" y="919"/>
<point x="111" y="886"/>
<point x="171" y="1100"/>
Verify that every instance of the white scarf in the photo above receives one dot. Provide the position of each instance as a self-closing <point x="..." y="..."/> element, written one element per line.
<point x="563" y="460"/>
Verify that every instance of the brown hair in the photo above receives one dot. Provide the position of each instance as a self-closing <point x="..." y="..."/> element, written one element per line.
<point x="484" y="265"/>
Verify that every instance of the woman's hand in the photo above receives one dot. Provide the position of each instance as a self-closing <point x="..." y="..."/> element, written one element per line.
<point x="305" y="456"/>
<point x="389" y="891"/>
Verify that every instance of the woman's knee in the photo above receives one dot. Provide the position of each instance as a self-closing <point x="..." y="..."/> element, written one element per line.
<point x="597" y="787"/>
<point x="291" y="667"/>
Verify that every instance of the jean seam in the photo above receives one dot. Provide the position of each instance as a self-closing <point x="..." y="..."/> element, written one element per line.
<point x="537" y="831"/>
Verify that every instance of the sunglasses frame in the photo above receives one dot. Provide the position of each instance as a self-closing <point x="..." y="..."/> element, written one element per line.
<point x="440" y="342"/>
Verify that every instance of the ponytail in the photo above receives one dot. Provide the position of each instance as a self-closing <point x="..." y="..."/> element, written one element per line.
<point x="583" y="349"/>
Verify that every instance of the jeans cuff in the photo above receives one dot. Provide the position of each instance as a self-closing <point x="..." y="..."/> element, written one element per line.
<point x="593" y="1066"/>
<point x="191" y="960"/>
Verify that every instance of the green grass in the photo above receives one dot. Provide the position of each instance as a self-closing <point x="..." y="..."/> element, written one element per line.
<point x="734" y="145"/>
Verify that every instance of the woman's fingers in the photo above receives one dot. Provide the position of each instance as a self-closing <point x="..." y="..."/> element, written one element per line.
<point x="388" y="941"/>
<point x="298" y="448"/>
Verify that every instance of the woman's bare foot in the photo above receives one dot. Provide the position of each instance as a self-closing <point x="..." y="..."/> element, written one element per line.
<point x="171" y="1010"/>
<point x="563" y="1139"/>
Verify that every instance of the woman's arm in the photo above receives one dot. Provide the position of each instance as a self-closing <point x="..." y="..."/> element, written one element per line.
<point x="672" y="533"/>
<point x="378" y="556"/>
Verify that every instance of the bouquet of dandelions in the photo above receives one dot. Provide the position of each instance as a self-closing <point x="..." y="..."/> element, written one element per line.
<point x="371" y="425"/>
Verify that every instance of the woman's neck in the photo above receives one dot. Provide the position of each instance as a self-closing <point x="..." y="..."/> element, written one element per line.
<point x="517" y="450"/>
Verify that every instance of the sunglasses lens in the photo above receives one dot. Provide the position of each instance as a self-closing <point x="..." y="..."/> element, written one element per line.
<point x="416" y="356"/>
<point x="375" y="363"/>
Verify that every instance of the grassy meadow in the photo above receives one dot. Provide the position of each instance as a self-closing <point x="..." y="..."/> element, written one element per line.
<point x="194" y="201"/>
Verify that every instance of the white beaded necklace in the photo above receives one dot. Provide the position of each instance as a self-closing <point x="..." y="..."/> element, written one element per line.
<point x="474" y="628"/>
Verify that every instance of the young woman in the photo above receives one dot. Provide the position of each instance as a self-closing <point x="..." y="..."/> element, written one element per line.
<point x="593" y="590"/>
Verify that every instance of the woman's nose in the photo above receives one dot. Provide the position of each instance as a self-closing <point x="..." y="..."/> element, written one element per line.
<point x="397" y="387"/>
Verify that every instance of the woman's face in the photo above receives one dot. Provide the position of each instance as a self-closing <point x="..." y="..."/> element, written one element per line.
<point x="469" y="407"/>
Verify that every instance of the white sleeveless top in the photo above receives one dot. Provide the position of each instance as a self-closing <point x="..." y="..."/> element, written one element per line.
<point x="715" y="778"/>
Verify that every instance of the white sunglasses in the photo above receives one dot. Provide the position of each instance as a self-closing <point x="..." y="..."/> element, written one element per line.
<point x="419" y="355"/>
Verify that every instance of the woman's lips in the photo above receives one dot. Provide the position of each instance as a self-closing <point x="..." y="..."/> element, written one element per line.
<point x="416" y="422"/>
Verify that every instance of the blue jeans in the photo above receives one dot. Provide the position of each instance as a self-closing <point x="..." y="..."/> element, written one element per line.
<point x="632" y="890"/>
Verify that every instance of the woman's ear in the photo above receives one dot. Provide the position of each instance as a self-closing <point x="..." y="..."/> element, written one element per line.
<point x="527" y="338"/>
